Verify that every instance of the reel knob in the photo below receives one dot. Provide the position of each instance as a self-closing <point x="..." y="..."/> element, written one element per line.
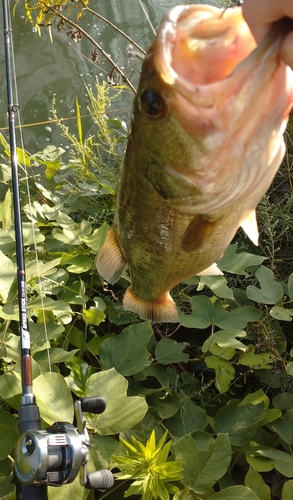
<point x="100" y="479"/>
<point x="96" y="404"/>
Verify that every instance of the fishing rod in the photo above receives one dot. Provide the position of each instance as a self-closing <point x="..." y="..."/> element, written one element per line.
<point x="54" y="456"/>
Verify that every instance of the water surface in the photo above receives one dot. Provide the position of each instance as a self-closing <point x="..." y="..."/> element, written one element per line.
<point x="65" y="68"/>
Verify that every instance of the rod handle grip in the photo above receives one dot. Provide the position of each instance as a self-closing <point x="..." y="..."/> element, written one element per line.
<point x="32" y="492"/>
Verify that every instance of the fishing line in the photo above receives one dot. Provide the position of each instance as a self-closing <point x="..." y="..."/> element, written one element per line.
<point x="41" y="291"/>
<point x="147" y="16"/>
<point x="49" y="122"/>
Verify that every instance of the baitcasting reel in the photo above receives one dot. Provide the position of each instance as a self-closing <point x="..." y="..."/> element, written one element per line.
<point x="56" y="455"/>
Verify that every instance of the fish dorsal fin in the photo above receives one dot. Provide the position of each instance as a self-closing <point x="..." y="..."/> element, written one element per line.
<point x="213" y="270"/>
<point x="249" y="226"/>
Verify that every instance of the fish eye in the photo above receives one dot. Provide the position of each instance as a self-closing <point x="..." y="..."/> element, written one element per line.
<point x="152" y="103"/>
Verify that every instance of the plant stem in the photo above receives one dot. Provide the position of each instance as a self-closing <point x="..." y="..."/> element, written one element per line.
<point x="114" y="27"/>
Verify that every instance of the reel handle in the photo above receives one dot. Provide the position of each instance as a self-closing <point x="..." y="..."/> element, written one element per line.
<point x="96" y="405"/>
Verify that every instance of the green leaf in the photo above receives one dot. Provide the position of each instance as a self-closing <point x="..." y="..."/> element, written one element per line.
<point x="236" y="318"/>
<point x="201" y="315"/>
<point x="255" y="482"/>
<point x="79" y="264"/>
<point x="7" y="488"/>
<point x="284" y="427"/>
<point x="8" y="275"/>
<point x="282" y="314"/>
<point x="283" y="462"/>
<point x="287" y="492"/>
<point x="255" y="398"/>
<point x="189" y="418"/>
<point x="289" y="368"/>
<point x="203" y="468"/>
<point x="237" y="263"/>
<point x="257" y="361"/>
<point x="31" y="235"/>
<point x="156" y="371"/>
<point x="97" y="238"/>
<point x="93" y="316"/>
<point x="226" y="353"/>
<point x="56" y="354"/>
<point x="76" y="337"/>
<point x="35" y="269"/>
<point x="239" y="421"/>
<point x="271" y="415"/>
<point x="50" y="153"/>
<point x="235" y="493"/>
<point x="166" y="406"/>
<point x="6" y="210"/>
<point x="53" y="398"/>
<point x="225" y="338"/>
<point x="270" y="291"/>
<point x="69" y="234"/>
<point x="283" y="401"/>
<point x="10" y="385"/>
<point x="225" y="372"/>
<point x="103" y="448"/>
<point x="69" y="491"/>
<point x="124" y="352"/>
<point x="58" y="306"/>
<point x="260" y="464"/>
<point x="75" y="293"/>
<point x="218" y="285"/>
<point x="8" y="433"/>
<point x="79" y="374"/>
<point x="122" y="412"/>
<point x="41" y="332"/>
<point x="169" y="351"/>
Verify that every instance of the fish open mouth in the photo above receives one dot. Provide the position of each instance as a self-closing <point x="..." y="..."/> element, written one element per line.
<point x="200" y="45"/>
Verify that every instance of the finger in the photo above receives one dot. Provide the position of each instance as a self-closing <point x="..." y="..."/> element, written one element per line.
<point x="287" y="50"/>
<point x="261" y="15"/>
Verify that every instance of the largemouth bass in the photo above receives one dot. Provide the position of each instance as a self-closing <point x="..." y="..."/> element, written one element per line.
<point x="205" y="142"/>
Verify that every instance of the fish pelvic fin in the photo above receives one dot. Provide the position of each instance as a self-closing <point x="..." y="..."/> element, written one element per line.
<point x="111" y="261"/>
<point x="213" y="270"/>
<point x="163" y="310"/>
<point x="249" y="226"/>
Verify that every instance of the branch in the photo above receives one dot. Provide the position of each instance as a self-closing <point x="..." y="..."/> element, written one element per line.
<point x="101" y="50"/>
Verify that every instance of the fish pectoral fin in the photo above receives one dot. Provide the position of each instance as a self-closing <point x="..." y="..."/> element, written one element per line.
<point x="213" y="270"/>
<point x="249" y="226"/>
<point x="161" y="310"/>
<point x="111" y="261"/>
<point x="199" y="230"/>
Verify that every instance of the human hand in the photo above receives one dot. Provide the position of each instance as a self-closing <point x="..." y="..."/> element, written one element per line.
<point x="260" y="16"/>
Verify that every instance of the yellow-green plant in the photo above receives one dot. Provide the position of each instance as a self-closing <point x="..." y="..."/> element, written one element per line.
<point x="151" y="468"/>
<point x="97" y="154"/>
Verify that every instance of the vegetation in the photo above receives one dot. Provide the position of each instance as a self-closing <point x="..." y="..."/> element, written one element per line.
<point x="200" y="410"/>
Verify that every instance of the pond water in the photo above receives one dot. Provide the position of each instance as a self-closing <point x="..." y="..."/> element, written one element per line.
<point x="65" y="67"/>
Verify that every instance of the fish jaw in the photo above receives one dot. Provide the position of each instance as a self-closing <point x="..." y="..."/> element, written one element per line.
<point x="199" y="45"/>
<point x="243" y="112"/>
